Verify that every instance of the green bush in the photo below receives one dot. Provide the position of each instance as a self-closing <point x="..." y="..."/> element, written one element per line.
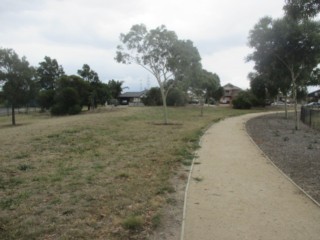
<point x="67" y="101"/>
<point x="46" y="98"/>
<point x="74" y="110"/>
<point x="176" y="97"/>
<point x="153" y="97"/>
<point x="243" y="100"/>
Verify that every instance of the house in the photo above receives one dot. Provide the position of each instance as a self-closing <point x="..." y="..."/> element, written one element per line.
<point x="229" y="93"/>
<point x="314" y="96"/>
<point x="132" y="98"/>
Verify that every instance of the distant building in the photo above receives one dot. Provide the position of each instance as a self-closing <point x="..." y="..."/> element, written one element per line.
<point x="132" y="98"/>
<point x="230" y="92"/>
<point x="314" y="96"/>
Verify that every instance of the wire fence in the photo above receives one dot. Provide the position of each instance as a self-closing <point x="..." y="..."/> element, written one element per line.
<point x="311" y="116"/>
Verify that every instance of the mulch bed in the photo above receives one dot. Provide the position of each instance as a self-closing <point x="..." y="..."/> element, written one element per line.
<point x="296" y="153"/>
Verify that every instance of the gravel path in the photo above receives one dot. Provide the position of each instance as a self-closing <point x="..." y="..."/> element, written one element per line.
<point x="236" y="193"/>
<point x="296" y="153"/>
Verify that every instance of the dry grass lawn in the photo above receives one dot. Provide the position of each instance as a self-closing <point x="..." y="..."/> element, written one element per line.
<point x="103" y="175"/>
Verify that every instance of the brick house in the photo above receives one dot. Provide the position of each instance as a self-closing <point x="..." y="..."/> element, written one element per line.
<point x="230" y="92"/>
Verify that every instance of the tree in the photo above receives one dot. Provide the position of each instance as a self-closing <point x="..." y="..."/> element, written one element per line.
<point x="81" y="86"/>
<point x="71" y="94"/>
<point x="92" y="78"/>
<point x="185" y="64"/>
<point x="159" y="52"/>
<point x="204" y="86"/>
<point x="176" y="97"/>
<point x="263" y="88"/>
<point x="288" y="48"/>
<point x="48" y="72"/>
<point x="88" y="74"/>
<point x="115" y="88"/>
<point x="17" y="76"/>
<point x="218" y="94"/>
<point x="67" y="101"/>
<point x="46" y="98"/>
<point x="153" y="97"/>
<point x="103" y="93"/>
<point x="302" y="9"/>
<point x="270" y="84"/>
<point x="244" y="100"/>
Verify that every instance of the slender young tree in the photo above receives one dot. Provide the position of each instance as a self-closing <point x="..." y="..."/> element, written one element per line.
<point x="204" y="87"/>
<point x="159" y="52"/>
<point x="92" y="78"/>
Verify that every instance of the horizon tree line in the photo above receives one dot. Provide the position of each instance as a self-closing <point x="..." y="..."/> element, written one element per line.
<point x="48" y="87"/>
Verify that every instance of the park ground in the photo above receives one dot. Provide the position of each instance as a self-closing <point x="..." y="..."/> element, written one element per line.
<point x="103" y="174"/>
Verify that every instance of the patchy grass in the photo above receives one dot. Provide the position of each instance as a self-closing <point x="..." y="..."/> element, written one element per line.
<point x="102" y="175"/>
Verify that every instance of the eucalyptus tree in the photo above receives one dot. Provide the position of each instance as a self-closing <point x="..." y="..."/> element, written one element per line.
<point x="160" y="52"/>
<point x="49" y="71"/>
<point x="289" y="47"/>
<point x="204" y="86"/>
<point x="93" y="80"/>
<point x="88" y="74"/>
<point x="115" y="88"/>
<point x="16" y="75"/>
<point x="268" y="86"/>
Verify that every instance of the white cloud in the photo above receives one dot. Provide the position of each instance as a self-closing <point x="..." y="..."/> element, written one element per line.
<point x="80" y="31"/>
<point x="230" y="66"/>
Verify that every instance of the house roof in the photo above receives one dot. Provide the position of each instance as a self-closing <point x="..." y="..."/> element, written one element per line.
<point x="133" y="94"/>
<point x="229" y="86"/>
<point x="314" y="93"/>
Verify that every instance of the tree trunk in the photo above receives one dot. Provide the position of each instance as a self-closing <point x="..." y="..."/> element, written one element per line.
<point x="285" y="107"/>
<point x="164" y="103"/>
<point x="294" y="89"/>
<point x="202" y="107"/>
<point x="13" y="115"/>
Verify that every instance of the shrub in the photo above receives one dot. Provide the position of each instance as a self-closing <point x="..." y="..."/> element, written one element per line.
<point x="74" y="109"/>
<point x="133" y="223"/>
<point x="243" y="100"/>
<point x="67" y="101"/>
<point x="176" y="97"/>
<point x="153" y="97"/>
<point x="46" y="99"/>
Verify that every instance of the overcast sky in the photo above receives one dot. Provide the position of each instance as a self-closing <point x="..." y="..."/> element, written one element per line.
<point x="80" y="31"/>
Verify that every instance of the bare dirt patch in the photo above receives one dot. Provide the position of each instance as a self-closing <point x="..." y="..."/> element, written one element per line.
<point x="296" y="153"/>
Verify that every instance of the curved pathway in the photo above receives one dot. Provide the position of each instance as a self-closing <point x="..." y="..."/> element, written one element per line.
<point x="236" y="193"/>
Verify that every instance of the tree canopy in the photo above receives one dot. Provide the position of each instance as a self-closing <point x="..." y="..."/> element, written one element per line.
<point x="48" y="72"/>
<point x="302" y="9"/>
<point x="204" y="86"/>
<point x="88" y="74"/>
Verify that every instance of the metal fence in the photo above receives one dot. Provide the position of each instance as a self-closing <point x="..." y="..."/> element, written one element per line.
<point x="311" y="116"/>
